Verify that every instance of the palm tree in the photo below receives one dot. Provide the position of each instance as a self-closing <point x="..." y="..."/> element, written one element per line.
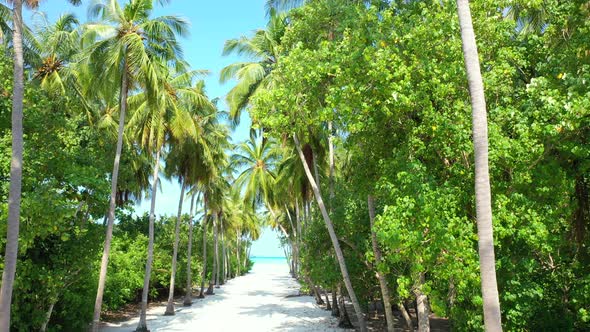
<point x="216" y="187"/>
<point x="333" y="236"/>
<point x="378" y="259"/>
<point x="253" y="76"/>
<point x="133" y="42"/>
<point x="59" y="43"/>
<point x="154" y="122"/>
<point x="485" y="232"/>
<point x="169" y="117"/>
<point x="188" y="300"/>
<point x="258" y="159"/>
<point x="16" y="163"/>
<point x="14" y="194"/>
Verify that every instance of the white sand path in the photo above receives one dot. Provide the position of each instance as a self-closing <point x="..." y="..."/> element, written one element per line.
<point x="255" y="302"/>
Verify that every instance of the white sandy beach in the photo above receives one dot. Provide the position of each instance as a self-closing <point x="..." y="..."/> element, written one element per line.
<point x="254" y="302"/>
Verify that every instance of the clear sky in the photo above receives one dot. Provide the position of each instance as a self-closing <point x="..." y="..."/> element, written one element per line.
<point x="212" y="23"/>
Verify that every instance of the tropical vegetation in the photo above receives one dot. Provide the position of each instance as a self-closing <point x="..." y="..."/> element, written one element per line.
<point x="424" y="159"/>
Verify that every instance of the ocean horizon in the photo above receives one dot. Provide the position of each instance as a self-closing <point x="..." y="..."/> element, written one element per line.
<point x="269" y="259"/>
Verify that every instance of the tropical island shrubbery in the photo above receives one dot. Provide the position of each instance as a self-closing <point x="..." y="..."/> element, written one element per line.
<point x="362" y="157"/>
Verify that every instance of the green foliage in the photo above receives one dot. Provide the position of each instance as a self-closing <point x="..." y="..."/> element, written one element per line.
<point x="391" y="79"/>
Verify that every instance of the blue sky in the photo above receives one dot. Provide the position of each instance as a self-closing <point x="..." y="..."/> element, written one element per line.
<point x="212" y="23"/>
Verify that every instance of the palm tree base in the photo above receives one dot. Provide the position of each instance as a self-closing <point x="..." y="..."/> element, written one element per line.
<point x="169" y="310"/>
<point x="187" y="303"/>
<point x="201" y="296"/>
<point x="142" y="329"/>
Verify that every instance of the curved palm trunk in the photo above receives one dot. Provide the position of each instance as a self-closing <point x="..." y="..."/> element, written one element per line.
<point x="188" y="301"/>
<point x="142" y="326"/>
<point x="111" y="216"/>
<point x="334" y="238"/>
<point x="16" y="171"/>
<point x="483" y="205"/>
<point x="378" y="259"/>
<point x="170" y="305"/>
<point x="204" y="228"/>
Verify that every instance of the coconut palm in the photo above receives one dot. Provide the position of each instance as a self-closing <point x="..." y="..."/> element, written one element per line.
<point x="195" y="159"/>
<point x="130" y="43"/>
<point x="263" y="51"/>
<point x="483" y="205"/>
<point x="155" y="121"/>
<point x="18" y="31"/>
<point x="14" y="194"/>
<point x="195" y="196"/>
<point x="30" y="46"/>
<point x="258" y="160"/>
<point x="59" y="43"/>
<point x="332" y="233"/>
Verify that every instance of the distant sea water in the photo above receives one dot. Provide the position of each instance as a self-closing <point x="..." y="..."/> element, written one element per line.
<point x="268" y="260"/>
<point x="270" y="265"/>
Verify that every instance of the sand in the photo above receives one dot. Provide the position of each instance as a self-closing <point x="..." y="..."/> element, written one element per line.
<point x="255" y="302"/>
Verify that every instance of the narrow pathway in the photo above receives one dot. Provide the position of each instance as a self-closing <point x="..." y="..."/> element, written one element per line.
<point x="255" y="302"/>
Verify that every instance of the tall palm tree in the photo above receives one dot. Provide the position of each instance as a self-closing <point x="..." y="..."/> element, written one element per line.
<point x="333" y="236"/>
<point x="16" y="163"/>
<point x="483" y="205"/>
<point x="195" y="157"/>
<point x="258" y="160"/>
<point x="188" y="299"/>
<point x="59" y="43"/>
<point x="14" y="194"/>
<point x="263" y="51"/>
<point x="167" y="117"/>
<point x="131" y="42"/>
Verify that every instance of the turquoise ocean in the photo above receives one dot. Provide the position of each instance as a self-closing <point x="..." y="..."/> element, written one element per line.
<point x="259" y="260"/>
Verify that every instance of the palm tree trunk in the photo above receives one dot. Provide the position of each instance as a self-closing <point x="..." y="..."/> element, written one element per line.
<point x="335" y="310"/>
<point x="343" y="319"/>
<point x="378" y="259"/>
<point x="170" y="306"/>
<point x="142" y="326"/>
<point x="299" y="235"/>
<point x="293" y="243"/>
<point x="334" y="238"/>
<point x="204" y="229"/>
<point x="214" y="269"/>
<point x="223" y="261"/>
<point x="332" y="165"/>
<point x="487" y="260"/>
<point x="406" y="315"/>
<point x="48" y="315"/>
<point x="423" y="310"/>
<point x="316" y="169"/>
<point x="16" y="171"/>
<point x="111" y="216"/>
<point x="328" y="305"/>
<point x="188" y="297"/>
<point x="238" y="252"/>
<point x="216" y="243"/>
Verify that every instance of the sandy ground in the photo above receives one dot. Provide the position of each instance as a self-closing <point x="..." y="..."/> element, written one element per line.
<point x="255" y="302"/>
